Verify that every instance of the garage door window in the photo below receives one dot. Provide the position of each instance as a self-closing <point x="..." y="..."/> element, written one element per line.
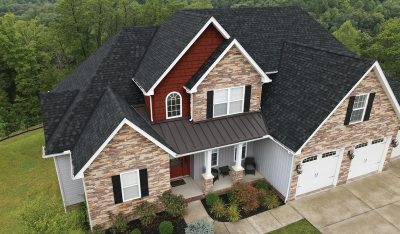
<point x="309" y="159"/>
<point x="377" y="141"/>
<point x="325" y="155"/>
<point x="361" y="145"/>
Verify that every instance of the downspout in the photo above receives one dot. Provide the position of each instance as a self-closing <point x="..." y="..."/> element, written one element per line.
<point x="290" y="179"/>
<point x="151" y="109"/>
<point x="191" y="107"/>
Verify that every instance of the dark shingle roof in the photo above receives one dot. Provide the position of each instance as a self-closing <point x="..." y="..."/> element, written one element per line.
<point x="395" y="85"/>
<point x="170" y="39"/>
<point x="110" y="110"/>
<point x="309" y="85"/>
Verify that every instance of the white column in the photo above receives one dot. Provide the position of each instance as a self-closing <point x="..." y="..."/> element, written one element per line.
<point x="208" y="163"/>
<point x="239" y="156"/>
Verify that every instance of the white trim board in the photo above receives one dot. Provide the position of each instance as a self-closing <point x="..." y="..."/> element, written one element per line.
<point x="213" y="21"/>
<point x="264" y="77"/>
<point x="79" y="175"/>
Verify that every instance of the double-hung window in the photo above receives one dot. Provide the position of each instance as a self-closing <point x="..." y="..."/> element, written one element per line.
<point x="130" y="185"/>
<point x="359" y="106"/>
<point x="214" y="158"/>
<point x="244" y="151"/>
<point x="228" y="101"/>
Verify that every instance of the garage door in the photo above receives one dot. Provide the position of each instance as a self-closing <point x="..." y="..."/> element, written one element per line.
<point x="318" y="171"/>
<point x="367" y="157"/>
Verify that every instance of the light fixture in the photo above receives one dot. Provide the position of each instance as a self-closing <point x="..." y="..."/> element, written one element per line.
<point x="351" y="154"/>
<point x="395" y="143"/>
<point x="299" y="169"/>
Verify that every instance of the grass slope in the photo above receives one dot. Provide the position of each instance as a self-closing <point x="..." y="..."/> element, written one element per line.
<point x="299" y="227"/>
<point x="23" y="174"/>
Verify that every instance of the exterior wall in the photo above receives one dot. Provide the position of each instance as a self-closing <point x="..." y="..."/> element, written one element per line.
<point x="396" y="151"/>
<point x="233" y="70"/>
<point x="183" y="71"/>
<point x="273" y="163"/>
<point x="334" y="134"/>
<point x="127" y="151"/>
<point x="71" y="190"/>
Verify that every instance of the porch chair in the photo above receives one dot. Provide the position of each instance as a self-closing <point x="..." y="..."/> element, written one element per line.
<point x="215" y="173"/>
<point x="249" y="166"/>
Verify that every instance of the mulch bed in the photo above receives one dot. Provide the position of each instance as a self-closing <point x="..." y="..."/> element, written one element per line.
<point x="179" y="224"/>
<point x="177" y="183"/>
<point x="243" y="214"/>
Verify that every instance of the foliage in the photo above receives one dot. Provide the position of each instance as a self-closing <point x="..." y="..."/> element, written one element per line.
<point x="146" y="212"/>
<point x="199" y="227"/>
<point x="218" y="209"/>
<point x="174" y="204"/>
<point x="211" y="199"/>
<point x="136" y="231"/>
<point x="269" y="200"/>
<point x="47" y="215"/>
<point x="119" y="222"/>
<point x="262" y="185"/>
<point x="299" y="227"/>
<point x="84" y="210"/>
<point x="98" y="229"/>
<point x="247" y="195"/>
<point x="229" y="195"/>
<point x="232" y="213"/>
<point x="348" y="35"/>
<point x="166" y="227"/>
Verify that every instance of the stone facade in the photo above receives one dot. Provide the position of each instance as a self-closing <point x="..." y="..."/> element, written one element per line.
<point x="233" y="70"/>
<point x="334" y="134"/>
<point x="207" y="184"/>
<point x="237" y="174"/>
<point x="127" y="151"/>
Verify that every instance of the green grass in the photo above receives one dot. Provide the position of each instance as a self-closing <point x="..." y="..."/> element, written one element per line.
<point x="24" y="174"/>
<point x="299" y="227"/>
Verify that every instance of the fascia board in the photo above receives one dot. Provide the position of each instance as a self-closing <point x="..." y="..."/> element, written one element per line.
<point x="79" y="175"/>
<point x="53" y="155"/>
<point x="213" y="21"/>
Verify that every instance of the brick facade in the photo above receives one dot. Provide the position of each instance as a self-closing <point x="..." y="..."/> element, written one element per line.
<point x="233" y="70"/>
<point x="183" y="71"/>
<point x="127" y="151"/>
<point x="334" y="134"/>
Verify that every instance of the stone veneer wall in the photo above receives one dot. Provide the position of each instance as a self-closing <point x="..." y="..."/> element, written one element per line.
<point x="127" y="151"/>
<point x="334" y="134"/>
<point x="233" y="70"/>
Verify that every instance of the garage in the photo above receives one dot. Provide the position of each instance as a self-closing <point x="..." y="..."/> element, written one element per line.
<point x="319" y="171"/>
<point x="367" y="157"/>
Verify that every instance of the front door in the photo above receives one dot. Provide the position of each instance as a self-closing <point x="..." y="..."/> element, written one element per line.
<point x="180" y="166"/>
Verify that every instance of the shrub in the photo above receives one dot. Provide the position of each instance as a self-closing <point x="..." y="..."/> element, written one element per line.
<point x="247" y="196"/>
<point x="199" y="227"/>
<point x="166" y="227"/>
<point x="262" y="185"/>
<point x="229" y="195"/>
<point x="232" y="213"/>
<point x="119" y="223"/>
<point x="136" y="231"/>
<point x="175" y="205"/>
<point x="146" y="212"/>
<point x="270" y="200"/>
<point x="218" y="209"/>
<point x="98" y="229"/>
<point x="211" y="199"/>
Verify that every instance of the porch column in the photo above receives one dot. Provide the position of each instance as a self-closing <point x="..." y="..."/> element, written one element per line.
<point x="237" y="170"/>
<point x="208" y="177"/>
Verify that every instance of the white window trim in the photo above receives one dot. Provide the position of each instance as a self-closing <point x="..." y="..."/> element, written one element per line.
<point x="228" y="102"/>
<point x="205" y="157"/>
<point x="234" y="152"/>
<point x="365" y="107"/>
<point x="138" y="184"/>
<point x="166" y="106"/>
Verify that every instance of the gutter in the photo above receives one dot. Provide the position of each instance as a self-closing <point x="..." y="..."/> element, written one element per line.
<point x="53" y="155"/>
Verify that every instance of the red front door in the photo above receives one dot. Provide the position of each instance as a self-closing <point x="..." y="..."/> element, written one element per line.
<point x="180" y="166"/>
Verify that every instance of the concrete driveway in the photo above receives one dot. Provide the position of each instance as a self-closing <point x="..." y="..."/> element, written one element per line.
<point x="369" y="205"/>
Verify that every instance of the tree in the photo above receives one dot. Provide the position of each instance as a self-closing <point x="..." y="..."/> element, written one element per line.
<point x="99" y="13"/>
<point x="200" y="4"/>
<point x="348" y="35"/>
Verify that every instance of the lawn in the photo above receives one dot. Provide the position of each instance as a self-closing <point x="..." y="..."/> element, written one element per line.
<point x="23" y="174"/>
<point x="302" y="226"/>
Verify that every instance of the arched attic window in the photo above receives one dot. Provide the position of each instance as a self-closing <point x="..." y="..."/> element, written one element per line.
<point x="173" y="103"/>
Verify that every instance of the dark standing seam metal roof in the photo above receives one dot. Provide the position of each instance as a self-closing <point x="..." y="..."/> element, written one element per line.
<point x="109" y="112"/>
<point x="309" y="85"/>
<point x="186" y="136"/>
<point x="170" y="39"/>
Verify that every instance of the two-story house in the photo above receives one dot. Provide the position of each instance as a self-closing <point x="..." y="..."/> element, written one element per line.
<point x="209" y="88"/>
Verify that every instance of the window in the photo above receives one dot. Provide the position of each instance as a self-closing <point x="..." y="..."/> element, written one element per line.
<point x="214" y="158"/>
<point x="244" y="152"/>
<point x="130" y="185"/>
<point x="377" y="141"/>
<point x="360" y="103"/>
<point x="310" y="159"/>
<point x="228" y="101"/>
<point x="361" y="145"/>
<point x="173" y="104"/>
<point x="324" y="155"/>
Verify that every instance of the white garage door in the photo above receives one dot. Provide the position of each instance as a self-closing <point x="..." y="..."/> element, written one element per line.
<point x="318" y="171"/>
<point x="367" y="157"/>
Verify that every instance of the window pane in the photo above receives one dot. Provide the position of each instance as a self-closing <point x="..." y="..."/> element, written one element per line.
<point x="174" y="162"/>
<point x="356" y="115"/>
<point x="236" y="94"/>
<point x="360" y="101"/>
<point x="131" y="192"/>
<point x="220" y="109"/>
<point x="129" y="179"/>
<point x="244" y="151"/>
<point x="221" y="96"/>
<point x="235" y="107"/>
<point x="214" y="158"/>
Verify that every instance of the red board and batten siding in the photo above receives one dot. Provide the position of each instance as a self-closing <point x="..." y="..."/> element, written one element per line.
<point x="183" y="71"/>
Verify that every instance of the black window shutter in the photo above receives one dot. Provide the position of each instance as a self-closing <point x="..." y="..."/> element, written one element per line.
<point x="116" y="181"/>
<point x="349" y="110"/>
<point x="369" y="106"/>
<point x="247" y="96"/>
<point x="144" y="185"/>
<point x="210" y="104"/>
